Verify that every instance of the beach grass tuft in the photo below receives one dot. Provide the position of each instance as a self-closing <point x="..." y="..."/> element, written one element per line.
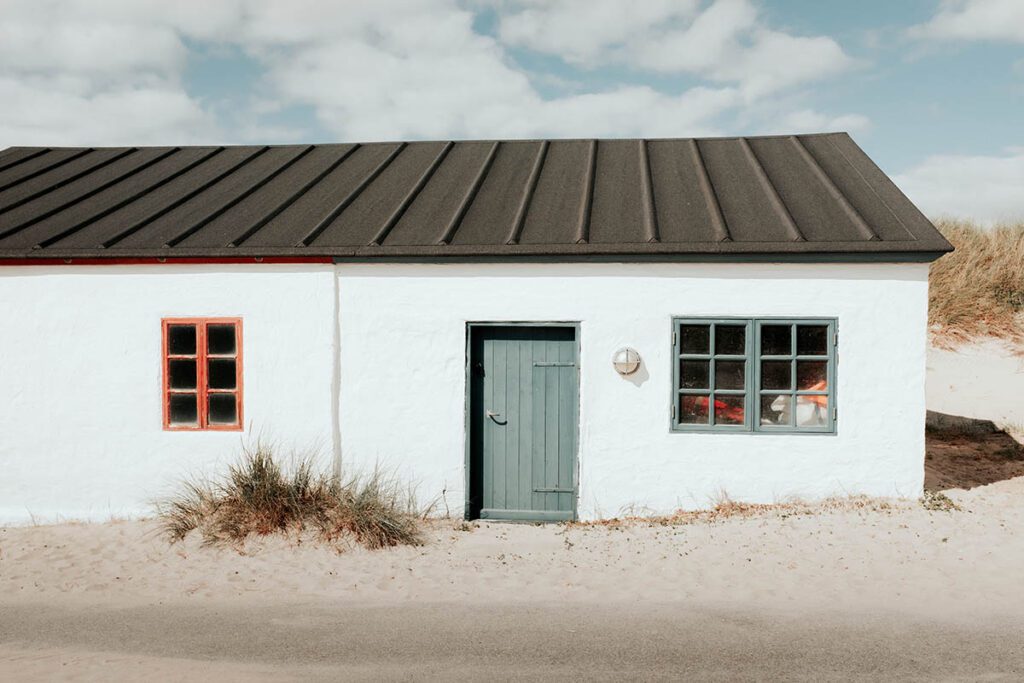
<point x="260" y="495"/>
<point x="978" y="290"/>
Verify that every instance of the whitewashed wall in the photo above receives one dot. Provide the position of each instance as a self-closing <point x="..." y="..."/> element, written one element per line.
<point x="80" y="415"/>
<point x="81" y="432"/>
<point x="403" y="385"/>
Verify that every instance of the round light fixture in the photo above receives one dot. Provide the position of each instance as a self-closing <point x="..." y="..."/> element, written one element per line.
<point x="626" y="361"/>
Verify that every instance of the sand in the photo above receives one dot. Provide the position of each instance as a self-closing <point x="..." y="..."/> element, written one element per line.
<point x="104" y="601"/>
<point x="899" y="556"/>
<point x="982" y="379"/>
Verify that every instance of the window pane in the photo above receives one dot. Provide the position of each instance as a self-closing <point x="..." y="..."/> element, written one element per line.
<point x="729" y="410"/>
<point x="776" y="409"/>
<point x="811" y="375"/>
<point x="181" y="340"/>
<point x="811" y="411"/>
<point x="181" y="374"/>
<point x="220" y="339"/>
<point x="183" y="409"/>
<point x="729" y="340"/>
<point x="729" y="374"/>
<point x="693" y="374"/>
<point x="693" y="410"/>
<point x="775" y="374"/>
<point x="812" y="340"/>
<point x="221" y="374"/>
<point x="776" y="340"/>
<point x="695" y="338"/>
<point x="222" y="409"/>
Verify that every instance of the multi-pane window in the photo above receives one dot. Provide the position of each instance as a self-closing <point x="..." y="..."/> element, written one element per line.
<point x="202" y="373"/>
<point x="760" y="375"/>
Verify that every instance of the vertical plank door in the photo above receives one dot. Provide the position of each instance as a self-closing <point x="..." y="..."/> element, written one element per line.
<point x="524" y="404"/>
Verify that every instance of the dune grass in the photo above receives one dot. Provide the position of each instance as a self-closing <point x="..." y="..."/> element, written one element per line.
<point x="978" y="290"/>
<point x="726" y="508"/>
<point x="259" y="496"/>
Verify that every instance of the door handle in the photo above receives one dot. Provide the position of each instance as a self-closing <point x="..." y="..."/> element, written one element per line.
<point x="494" y="416"/>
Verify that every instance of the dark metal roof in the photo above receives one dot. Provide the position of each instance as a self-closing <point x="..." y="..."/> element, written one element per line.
<point x="809" y="195"/>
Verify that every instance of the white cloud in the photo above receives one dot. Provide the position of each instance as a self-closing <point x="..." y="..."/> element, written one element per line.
<point x="94" y="74"/>
<point x="113" y="71"/>
<point x="1001" y="20"/>
<point x="983" y="188"/>
<point x="726" y="42"/>
<point x="581" y="30"/>
<point x="810" y="121"/>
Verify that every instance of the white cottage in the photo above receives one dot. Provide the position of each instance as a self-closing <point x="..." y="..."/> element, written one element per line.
<point x="537" y="330"/>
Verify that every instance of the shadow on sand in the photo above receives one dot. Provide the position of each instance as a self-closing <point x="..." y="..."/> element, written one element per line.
<point x="963" y="452"/>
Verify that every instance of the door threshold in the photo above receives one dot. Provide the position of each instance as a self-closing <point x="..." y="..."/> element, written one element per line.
<point x="494" y="515"/>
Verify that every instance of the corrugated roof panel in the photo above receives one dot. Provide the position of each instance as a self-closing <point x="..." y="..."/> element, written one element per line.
<point x="362" y="221"/>
<point x="442" y="198"/>
<point x="26" y="165"/>
<point x="809" y="195"/>
<point x="748" y="203"/>
<point x="164" y="197"/>
<point x="819" y="209"/>
<point x="619" y="204"/>
<point x="855" y="187"/>
<point x="687" y="210"/>
<point x="558" y="202"/>
<point x="229" y="226"/>
<point x="81" y="214"/>
<point x="78" y="189"/>
<point x="308" y="211"/>
<point x="172" y="225"/>
<point x="76" y="166"/>
<point x="505" y="191"/>
<point x="14" y="155"/>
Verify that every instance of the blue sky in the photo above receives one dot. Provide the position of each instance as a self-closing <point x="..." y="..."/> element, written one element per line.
<point x="932" y="89"/>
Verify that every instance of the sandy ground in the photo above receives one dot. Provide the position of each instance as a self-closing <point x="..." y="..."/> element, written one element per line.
<point x="102" y="601"/>
<point x="983" y="379"/>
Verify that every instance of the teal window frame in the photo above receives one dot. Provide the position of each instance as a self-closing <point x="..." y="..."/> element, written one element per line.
<point x="752" y="391"/>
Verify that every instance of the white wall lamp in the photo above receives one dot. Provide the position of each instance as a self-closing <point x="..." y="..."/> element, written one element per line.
<point x="626" y="361"/>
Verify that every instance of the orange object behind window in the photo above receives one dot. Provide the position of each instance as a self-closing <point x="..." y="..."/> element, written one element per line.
<point x="202" y="374"/>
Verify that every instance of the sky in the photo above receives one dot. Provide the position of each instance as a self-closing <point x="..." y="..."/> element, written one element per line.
<point x="933" y="90"/>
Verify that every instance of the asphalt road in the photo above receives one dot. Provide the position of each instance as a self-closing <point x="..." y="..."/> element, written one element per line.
<point x="503" y="642"/>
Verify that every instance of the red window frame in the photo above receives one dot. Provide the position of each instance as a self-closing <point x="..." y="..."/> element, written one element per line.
<point x="202" y="389"/>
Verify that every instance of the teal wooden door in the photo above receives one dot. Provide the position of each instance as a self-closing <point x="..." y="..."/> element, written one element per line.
<point x="524" y="403"/>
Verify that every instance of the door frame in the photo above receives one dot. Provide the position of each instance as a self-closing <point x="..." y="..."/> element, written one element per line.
<point x="467" y="399"/>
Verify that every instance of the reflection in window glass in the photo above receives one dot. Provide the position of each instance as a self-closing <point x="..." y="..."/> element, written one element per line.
<point x="811" y="411"/>
<point x="729" y="374"/>
<point x="693" y="409"/>
<point x="811" y="375"/>
<point x="776" y="374"/>
<point x="730" y="340"/>
<point x="776" y="409"/>
<point x="812" y="340"/>
<point x="695" y="339"/>
<point x="729" y="410"/>
<point x="693" y="374"/>
<point x="792" y="362"/>
<point x="776" y="340"/>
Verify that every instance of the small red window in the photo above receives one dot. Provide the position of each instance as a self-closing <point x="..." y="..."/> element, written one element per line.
<point x="202" y="373"/>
